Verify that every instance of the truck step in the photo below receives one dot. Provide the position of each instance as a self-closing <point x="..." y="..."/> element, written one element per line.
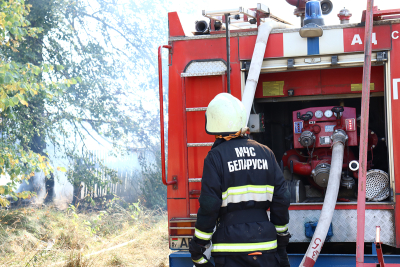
<point x="195" y="109"/>
<point x="194" y="180"/>
<point x="199" y="144"/>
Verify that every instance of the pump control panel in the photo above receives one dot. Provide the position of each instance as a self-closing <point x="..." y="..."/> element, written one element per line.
<point x="313" y="127"/>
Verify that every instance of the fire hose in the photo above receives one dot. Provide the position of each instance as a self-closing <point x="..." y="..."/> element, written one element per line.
<point x="256" y="61"/>
<point x="339" y="138"/>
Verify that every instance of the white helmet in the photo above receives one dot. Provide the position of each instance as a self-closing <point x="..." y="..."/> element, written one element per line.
<point x="225" y="115"/>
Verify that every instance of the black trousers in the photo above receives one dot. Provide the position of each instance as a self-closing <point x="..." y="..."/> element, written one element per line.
<point x="244" y="260"/>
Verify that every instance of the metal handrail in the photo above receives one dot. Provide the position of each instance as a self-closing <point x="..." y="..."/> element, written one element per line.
<point x="163" y="175"/>
<point x="316" y="64"/>
<point x="363" y="153"/>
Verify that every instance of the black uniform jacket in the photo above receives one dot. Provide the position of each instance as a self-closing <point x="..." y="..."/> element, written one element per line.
<point x="241" y="181"/>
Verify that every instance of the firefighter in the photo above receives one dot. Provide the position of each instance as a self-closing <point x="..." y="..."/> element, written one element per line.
<point x="241" y="181"/>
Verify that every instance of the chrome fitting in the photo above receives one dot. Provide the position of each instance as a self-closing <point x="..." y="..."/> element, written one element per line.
<point x="354" y="165"/>
<point x="339" y="136"/>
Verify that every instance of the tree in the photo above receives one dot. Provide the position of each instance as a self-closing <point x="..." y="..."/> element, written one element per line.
<point x="114" y="46"/>
<point x="98" y="42"/>
<point x="19" y="84"/>
<point x="105" y="54"/>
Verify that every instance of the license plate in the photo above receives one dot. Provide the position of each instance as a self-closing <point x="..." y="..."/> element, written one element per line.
<point x="180" y="242"/>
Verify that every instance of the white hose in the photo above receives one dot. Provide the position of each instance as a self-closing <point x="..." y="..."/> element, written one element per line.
<point x="337" y="151"/>
<point x="256" y="61"/>
<point x="328" y="208"/>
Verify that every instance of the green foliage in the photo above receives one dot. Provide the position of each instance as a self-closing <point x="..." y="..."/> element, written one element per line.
<point x="108" y="220"/>
<point x="93" y="226"/>
<point x="17" y="165"/>
<point x="153" y="191"/>
<point x="101" y="222"/>
<point x="106" y="45"/>
<point x="77" y="72"/>
<point x="20" y="83"/>
<point x="72" y="210"/>
<point x="135" y="210"/>
<point x="86" y="170"/>
<point x="13" y="23"/>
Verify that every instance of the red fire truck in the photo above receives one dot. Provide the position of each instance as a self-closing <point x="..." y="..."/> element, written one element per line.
<point x="305" y="87"/>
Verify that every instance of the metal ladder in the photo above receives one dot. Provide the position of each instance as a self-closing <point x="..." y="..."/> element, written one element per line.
<point x="188" y="145"/>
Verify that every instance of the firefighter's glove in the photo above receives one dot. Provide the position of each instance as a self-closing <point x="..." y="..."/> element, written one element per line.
<point x="198" y="258"/>
<point x="202" y="262"/>
<point x="283" y="241"/>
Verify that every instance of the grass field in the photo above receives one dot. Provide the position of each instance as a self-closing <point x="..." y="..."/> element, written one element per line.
<point x="118" y="236"/>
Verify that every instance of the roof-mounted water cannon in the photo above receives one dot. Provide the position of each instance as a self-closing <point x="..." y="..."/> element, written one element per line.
<point x="326" y="7"/>
<point x="300" y="8"/>
<point x="239" y="18"/>
<point x="202" y="26"/>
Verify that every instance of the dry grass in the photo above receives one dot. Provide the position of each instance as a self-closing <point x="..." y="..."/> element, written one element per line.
<point x="50" y="237"/>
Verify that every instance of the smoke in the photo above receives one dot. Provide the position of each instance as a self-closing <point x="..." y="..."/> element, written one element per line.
<point x="127" y="166"/>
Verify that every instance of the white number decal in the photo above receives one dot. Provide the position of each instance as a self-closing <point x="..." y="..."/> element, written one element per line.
<point x="395" y="89"/>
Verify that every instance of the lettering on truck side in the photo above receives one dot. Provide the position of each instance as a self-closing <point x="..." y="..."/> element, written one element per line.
<point x="396" y="89"/>
<point x="357" y="38"/>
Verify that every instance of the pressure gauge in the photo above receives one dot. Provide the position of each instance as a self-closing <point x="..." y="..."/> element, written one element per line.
<point x="328" y="113"/>
<point x="319" y="114"/>
<point x="311" y="113"/>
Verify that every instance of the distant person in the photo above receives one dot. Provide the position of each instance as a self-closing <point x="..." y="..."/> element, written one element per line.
<point x="241" y="181"/>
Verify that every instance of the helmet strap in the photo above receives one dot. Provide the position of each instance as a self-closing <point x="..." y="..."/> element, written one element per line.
<point x="242" y="132"/>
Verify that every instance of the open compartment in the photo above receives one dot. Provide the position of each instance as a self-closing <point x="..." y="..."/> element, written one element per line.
<point x="301" y="142"/>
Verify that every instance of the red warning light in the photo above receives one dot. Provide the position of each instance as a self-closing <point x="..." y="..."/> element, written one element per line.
<point x="350" y="125"/>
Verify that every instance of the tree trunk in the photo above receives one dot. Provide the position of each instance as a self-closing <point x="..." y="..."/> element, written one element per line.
<point x="76" y="195"/>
